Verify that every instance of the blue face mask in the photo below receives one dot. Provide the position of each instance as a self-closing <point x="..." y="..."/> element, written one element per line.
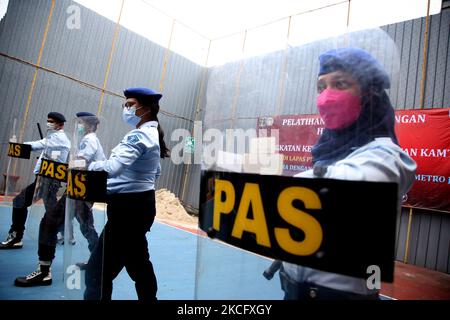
<point x="129" y="116"/>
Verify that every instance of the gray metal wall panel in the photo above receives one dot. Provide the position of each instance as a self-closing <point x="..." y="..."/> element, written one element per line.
<point x="192" y="193"/>
<point x="443" y="257"/>
<point x="81" y="53"/>
<point x="403" y="102"/>
<point x="255" y="94"/>
<point x="136" y="63"/>
<point x="15" y="80"/>
<point x="432" y="252"/>
<point x="432" y="60"/>
<point x="422" y="240"/>
<point x="396" y="32"/>
<point x="414" y="236"/>
<point x="302" y="65"/>
<point x="397" y="231"/>
<point x="182" y="86"/>
<point x="445" y="56"/>
<point x="220" y="80"/>
<point x="28" y="20"/>
<point x="415" y="65"/>
<point x="400" y="252"/>
<point x="429" y="239"/>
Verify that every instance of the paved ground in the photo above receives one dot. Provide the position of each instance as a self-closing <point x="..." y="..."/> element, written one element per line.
<point x="188" y="266"/>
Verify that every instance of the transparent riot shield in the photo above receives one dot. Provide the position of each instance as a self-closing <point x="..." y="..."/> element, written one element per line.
<point x="262" y="127"/>
<point x="16" y="151"/>
<point x="85" y="209"/>
<point x="50" y="179"/>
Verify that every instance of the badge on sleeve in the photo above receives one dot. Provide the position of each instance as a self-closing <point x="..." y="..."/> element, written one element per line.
<point x="133" y="138"/>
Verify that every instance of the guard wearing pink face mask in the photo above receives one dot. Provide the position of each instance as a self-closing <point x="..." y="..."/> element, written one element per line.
<point x="359" y="144"/>
<point x="133" y="168"/>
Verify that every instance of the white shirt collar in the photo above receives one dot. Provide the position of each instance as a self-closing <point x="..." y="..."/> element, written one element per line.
<point x="149" y="124"/>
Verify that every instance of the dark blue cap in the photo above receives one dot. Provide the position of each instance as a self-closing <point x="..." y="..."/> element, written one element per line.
<point x="58" y="117"/>
<point x="88" y="117"/>
<point x="365" y="68"/>
<point x="85" y="114"/>
<point x="143" y="95"/>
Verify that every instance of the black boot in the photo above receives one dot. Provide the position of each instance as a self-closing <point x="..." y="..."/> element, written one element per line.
<point x="41" y="277"/>
<point x="13" y="241"/>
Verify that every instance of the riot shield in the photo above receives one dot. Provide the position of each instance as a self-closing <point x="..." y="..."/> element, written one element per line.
<point x="16" y="151"/>
<point x="262" y="127"/>
<point x="85" y="209"/>
<point x="50" y="179"/>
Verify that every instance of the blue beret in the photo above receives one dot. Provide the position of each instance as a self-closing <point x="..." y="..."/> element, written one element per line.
<point x="85" y="114"/>
<point x="88" y="117"/>
<point x="365" y="68"/>
<point x="142" y="94"/>
<point x="58" y="117"/>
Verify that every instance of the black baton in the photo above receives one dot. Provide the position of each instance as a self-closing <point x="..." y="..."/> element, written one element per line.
<point x="40" y="131"/>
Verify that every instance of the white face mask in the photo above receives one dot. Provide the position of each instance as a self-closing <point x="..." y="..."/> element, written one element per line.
<point x="50" y="126"/>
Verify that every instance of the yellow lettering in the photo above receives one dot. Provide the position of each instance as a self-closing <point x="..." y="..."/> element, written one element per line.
<point x="300" y="219"/>
<point x="11" y="150"/>
<point x="251" y="196"/>
<point x="61" y="172"/>
<point x="80" y="191"/>
<point x="17" y="149"/>
<point x="44" y="165"/>
<point x="69" y="189"/>
<point x="50" y="172"/>
<point x="219" y="205"/>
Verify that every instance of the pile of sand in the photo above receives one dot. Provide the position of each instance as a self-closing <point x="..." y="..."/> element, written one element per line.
<point x="169" y="208"/>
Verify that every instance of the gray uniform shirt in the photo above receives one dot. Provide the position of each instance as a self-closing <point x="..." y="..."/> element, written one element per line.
<point x="90" y="148"/>
<point x="134" y="164"/>
<point x="380" y="160"/>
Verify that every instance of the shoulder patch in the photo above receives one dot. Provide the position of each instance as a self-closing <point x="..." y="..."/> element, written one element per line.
<point x="133" y="138"/>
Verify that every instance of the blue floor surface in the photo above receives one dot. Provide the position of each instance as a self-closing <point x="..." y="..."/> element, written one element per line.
<point x="181" y="260"/>
<point x="172" y="252"/>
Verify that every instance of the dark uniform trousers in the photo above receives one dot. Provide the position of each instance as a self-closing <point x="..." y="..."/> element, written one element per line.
<point x="54" y="219"/>
<point x="123" y="243"/>
<point x="48" y="189"/>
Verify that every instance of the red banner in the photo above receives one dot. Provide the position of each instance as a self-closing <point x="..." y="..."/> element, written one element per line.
<point x="297" y="135"/>
<point x="423" y="134"/>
